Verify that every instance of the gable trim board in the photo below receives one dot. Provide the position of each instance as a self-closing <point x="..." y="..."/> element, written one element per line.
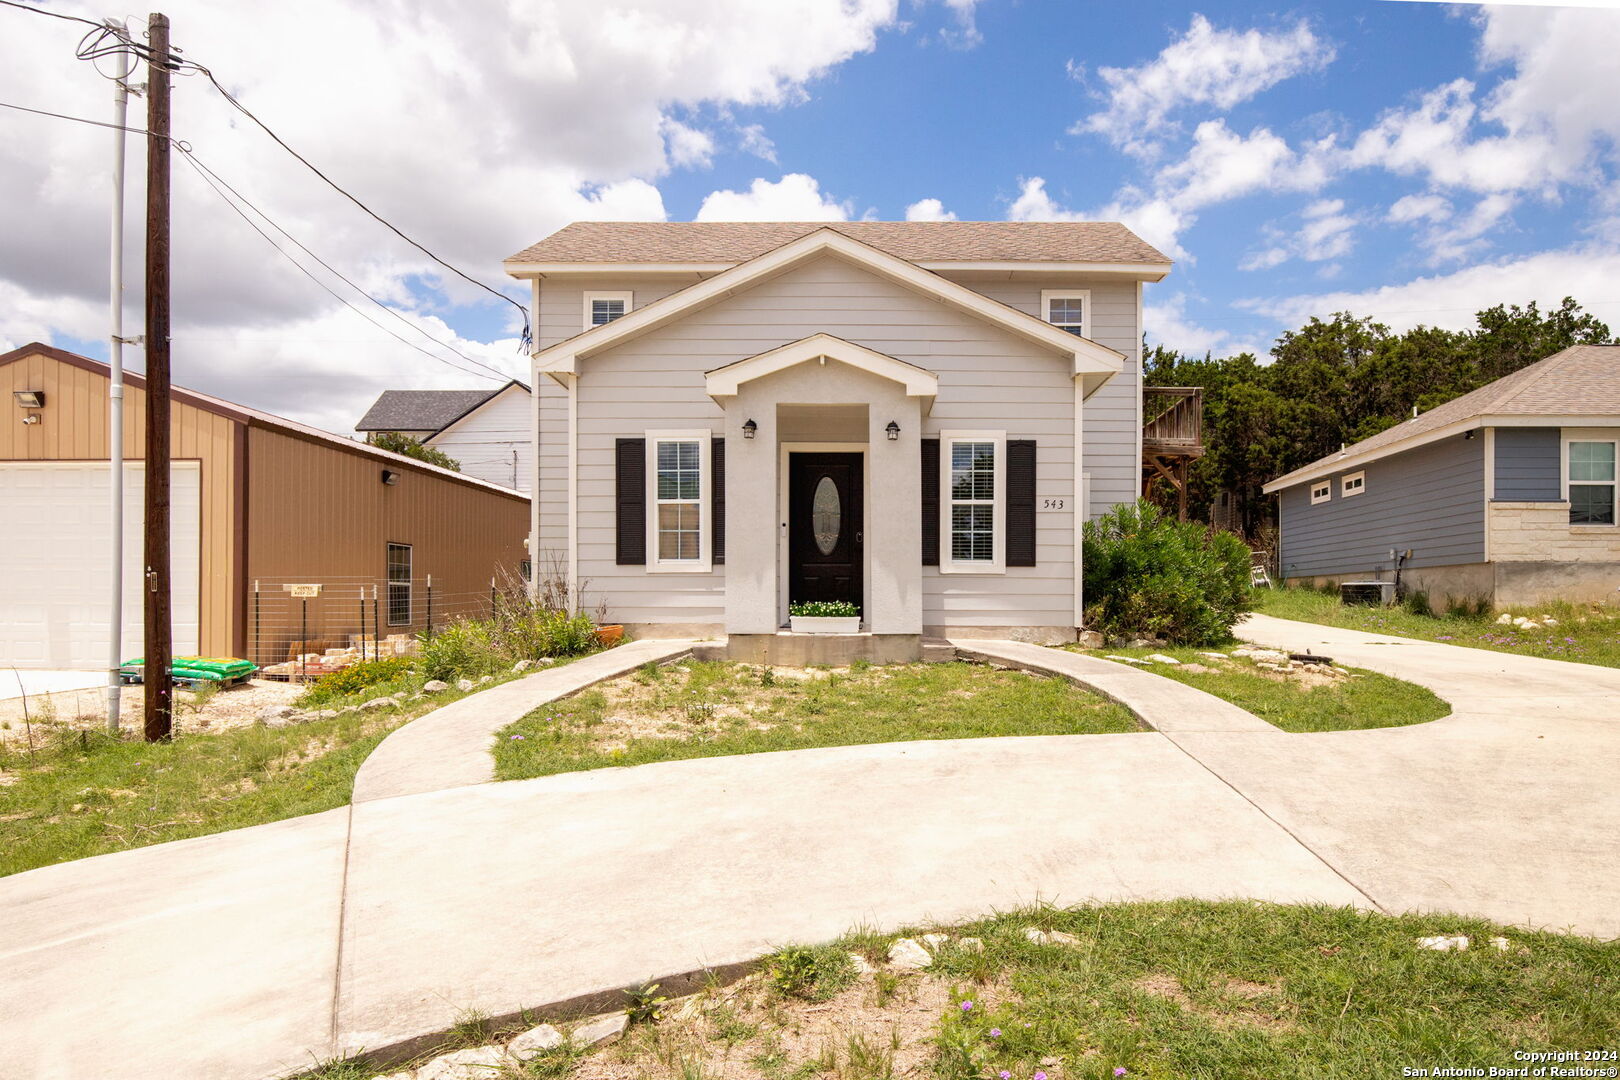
<point x="1091" y="362"/>
<point x="1140" y="271"/>
<point x="919" y="382"/>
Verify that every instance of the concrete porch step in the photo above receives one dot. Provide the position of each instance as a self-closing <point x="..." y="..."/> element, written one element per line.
<point x="937" y="651"/>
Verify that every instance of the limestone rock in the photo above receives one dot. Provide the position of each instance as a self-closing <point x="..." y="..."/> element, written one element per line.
<point x="909" y="955"/>
<point x="1500" y="944"/>
<point x="1089" y="639"/>
<point x="535" y="1041"/>
<point x="435" y="686"/>
<point x="275" y="712"/>
<point x="972" y="944"/>
<point x="935" y="942"/>
<point x="1145" y="642"/>
<point x="862" y="967"/>
<point x="485" y="679"/>
<point x="604" y="1029"/>
<point x="1267" y="656"/>
<point x="1444" y="943"/>
<point x="545" y="661"/>
<point x="1214" y="656"/>
<point x="1127" y="659"/>
<point x="464" y="685"/>
<point x="1049" y="937"/>
<point x="521" y="666"/>
<point x="1160" y="658"/>
<point x="379" y="703"/>
<point x="477" y="1063"/>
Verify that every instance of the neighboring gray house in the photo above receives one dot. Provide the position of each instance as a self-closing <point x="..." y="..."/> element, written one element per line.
<point x="1507" y="493"/>
<point x="913" y="416"/>
<point x="485" y="431"/>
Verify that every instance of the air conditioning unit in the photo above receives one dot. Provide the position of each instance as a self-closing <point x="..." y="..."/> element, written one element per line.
<point x="1369" y="593"/>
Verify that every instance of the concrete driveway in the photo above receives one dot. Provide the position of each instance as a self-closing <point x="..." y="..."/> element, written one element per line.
<point x="253" y="953"/>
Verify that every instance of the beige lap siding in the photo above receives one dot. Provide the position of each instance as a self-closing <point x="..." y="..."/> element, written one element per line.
<point x="1541" y="532"/>
<point x="989" y="379"/>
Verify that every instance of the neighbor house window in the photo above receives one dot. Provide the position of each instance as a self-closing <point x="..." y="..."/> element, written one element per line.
<point x="1353" y="484"/>
<point x="604" y="307"/>
<point x="677" y="473"/>
<point x="399" y="584"/>
<point x="1592" y="483"/>
<point x="1321" y="491"/>
<point x="1068" y="309"/>
<point x="973" y="466"/>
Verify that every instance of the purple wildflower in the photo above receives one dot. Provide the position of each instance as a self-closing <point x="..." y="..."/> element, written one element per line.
<point x="995" y="1033"/>
<point x="1119" y="1070"/>
<point x="517" y="737"/>
<point x="1004" y="1074"/>
<point x="967" y="1006"/>
<point x="1040" y="1076"/>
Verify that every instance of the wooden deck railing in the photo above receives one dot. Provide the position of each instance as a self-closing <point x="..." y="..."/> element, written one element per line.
<point x="1175" y="424"/>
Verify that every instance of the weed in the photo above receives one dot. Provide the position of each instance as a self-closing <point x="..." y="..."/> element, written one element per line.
<point x="864" y="1060"/>
<point x="644" y="1004"/>
<point x="812" y="972"/>
<point x="355" y="678"/>
<point x="730" y="1028"/>
<point x="472" y="1027"/>
<point x="551" y="1064"/>
<point x="770" y="1061"/>
<point x="1416" y="602"/>
<point x="767" y="676"/>
<point x="887" y="985"/>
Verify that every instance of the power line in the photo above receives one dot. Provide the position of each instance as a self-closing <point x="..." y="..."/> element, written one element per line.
<point x="53" y="14"/>
<point x="65" y="116"/>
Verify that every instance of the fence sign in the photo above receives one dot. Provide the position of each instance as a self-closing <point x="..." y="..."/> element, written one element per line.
<point x="303" y="592"/>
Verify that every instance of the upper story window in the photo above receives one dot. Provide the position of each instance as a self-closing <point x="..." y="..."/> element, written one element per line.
<point x="1321" y="491"/>
<point x="974" y="465"/>
<point x="1353" y="484"/>
<point x="1068" y="309"/>
<point x="1592" y="481"/>
<point x="603" y="307"/>
<point x="677" y="472"/>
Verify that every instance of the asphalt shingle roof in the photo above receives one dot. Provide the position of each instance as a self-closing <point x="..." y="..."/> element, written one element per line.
<point x="916" y="241"/>
<point x="1582" y="380"/>
<point x="421" y="410"/>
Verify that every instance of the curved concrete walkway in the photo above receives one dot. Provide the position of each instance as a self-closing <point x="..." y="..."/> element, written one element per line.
<point x="250" y="954"/>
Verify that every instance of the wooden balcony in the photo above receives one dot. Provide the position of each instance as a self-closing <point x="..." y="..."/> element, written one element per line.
<point x="1172" y="436"/>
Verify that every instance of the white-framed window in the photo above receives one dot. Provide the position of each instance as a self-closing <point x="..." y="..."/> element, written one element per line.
<point x="1352" y="484"/>
<point x="1068" y="309"/>
<point x="678" y="498"/>
<point x="973" y="503"/>
<point x="1321" y="491"/>
<point x="1591" y="478"/>
<point x="399" y="584"/>
<point x="602" y="308"/>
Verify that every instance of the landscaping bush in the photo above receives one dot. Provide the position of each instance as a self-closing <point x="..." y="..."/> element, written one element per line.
<point x="1150" y="575"/>
<point x="355" y="678"/>
<point x="518" y="631"/>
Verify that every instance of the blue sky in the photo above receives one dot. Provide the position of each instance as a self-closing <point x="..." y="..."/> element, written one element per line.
<point x="1411" y="161"/>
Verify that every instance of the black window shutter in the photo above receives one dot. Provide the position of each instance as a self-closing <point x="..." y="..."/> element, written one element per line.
<point x="717" y="498"/>
<point x="930" y="502"/>
<point x="1020" y="540"/>
<point x="630" y="501"/>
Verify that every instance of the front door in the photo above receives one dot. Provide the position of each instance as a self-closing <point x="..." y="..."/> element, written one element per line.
<point x="824" y="527"/>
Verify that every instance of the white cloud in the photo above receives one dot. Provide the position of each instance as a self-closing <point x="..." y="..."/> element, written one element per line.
<point x="929" y="210"/>
<point x="1205" y="66"/>
<point x="1324" y="232"/>
<point x="965" y="34"/>
<point x="1166" y="323"/>
<point x="1450" y="300"/>
<point x="1458" y="238"/>
<point x="477" y="128"/>
<point x="752" y="139"/>
<point x="1424" y="207"/>
<point x="795" y="197"/>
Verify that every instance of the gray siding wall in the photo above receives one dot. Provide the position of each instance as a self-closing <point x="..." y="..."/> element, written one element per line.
<point x="1111" y="426"/>
<point x="1431" y="500"/>
<point x="989" y="379"/>
<point x="1529" y="465"/>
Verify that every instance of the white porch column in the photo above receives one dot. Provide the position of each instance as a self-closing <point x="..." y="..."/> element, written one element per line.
<point x="752" y="515"/>
<point x="894" y="515"/>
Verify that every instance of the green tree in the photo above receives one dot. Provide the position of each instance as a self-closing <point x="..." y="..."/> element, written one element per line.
<point x="404" y="444"/>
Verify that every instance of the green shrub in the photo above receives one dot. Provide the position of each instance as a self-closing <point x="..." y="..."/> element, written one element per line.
<point x="823" y="609"/>
<point x="473" y="647"/>
<point x="1148" y="574"/>
<point x="812" y="972"/>
<point x="355" y="678"/>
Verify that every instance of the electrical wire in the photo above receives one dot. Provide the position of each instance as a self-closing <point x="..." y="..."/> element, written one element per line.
<point x="75" y="119"/>
<point x="37" y="10"/>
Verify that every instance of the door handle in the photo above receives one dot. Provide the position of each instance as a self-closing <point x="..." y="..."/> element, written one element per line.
<point x="858" y="539"/>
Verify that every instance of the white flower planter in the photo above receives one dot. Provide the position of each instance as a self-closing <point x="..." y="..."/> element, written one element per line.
<point x="805" y="624"/>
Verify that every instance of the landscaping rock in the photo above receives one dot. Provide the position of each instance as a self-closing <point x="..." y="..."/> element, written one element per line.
<point x="1214" y="656"/>
<point x="862" y="966"/>
<point x="521" y="666"/>
<point x="935" y="942"/>
<point x="909" y="955"/>
<point x="1049" y="937"/>
<point x="435" y="686"/>
<point x="545" y="661"/>
<point x="1128" y="660"/>
<point x="1145" y="643"/>
<point x="1089" y="639"/>
<point x="535" y="1041"/>
<point x="1160" y="658"/>
<point x="323" y="714"/>
<point x="485" y="679"/>
<point x="464" y="685"/>
<point x="276" y="712"/>
<point x="603" y="1029"/>
<point x="478" y="1063"/>
<point x="1504" y="619"/>
<point x="1500" y="944"/>
<point x="379" y="703"/>
<point x="1269" y="656"/>
<point x="972" y="944"/>
<point x="1444" y="943"/>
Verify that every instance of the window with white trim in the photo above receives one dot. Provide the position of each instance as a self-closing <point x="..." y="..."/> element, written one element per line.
<point x="1321" y="491"/>
<point x="974" y="468"/>
<point x="602" y="308"/>
<point x="677" y="476"/>
<point x="399" y="584"/>
<point x="1592" y="482"/>
<point x="1353" y="484"/>
<point x="1068" y="310"/>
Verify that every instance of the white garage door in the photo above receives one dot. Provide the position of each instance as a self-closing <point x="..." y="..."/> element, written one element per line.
<point x="55" y="521"/>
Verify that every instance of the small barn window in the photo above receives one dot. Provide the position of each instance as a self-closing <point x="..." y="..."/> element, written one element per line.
<point x="1592" y="482"/>
<point x="1321" y="491"/>
<point x="1353" y="484"/>
<point x="1068" y="310"/>
<point x="602" y="307"/>
<point x="399" y="584"/>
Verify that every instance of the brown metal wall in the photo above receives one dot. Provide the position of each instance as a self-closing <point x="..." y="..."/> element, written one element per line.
<point x="74" y="427"/>
<point x="319" y="516"/>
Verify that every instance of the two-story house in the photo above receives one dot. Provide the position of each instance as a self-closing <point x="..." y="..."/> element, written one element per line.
<point x="916" y="417"/>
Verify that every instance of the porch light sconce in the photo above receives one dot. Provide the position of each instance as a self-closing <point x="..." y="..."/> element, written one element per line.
<point x="29" y="399"/>
<point x="390" y="477"/>
<point x="1469" y="434"/>
<point x="749" y="428"/>
<point x="894" y="431"/>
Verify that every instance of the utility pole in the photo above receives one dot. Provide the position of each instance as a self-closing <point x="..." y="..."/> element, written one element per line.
<point x="115" y="398"/>
<point x="159" y="713"/>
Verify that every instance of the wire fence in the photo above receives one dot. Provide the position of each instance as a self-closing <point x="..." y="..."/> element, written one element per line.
<point x="302" y="627"/>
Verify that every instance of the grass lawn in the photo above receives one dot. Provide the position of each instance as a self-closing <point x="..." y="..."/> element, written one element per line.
<point x="1180" y="990"/>
<point x="710" y="709"/>
<point x="1587" y="634"/>
<point x="88" y="794"/>
<point x="1302" y="699"/>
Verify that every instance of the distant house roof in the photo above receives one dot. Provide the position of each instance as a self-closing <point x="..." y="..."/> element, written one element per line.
<point x="929" y="242"/>
<point x="1582" y="382"/>
<point x="423" y="410"/>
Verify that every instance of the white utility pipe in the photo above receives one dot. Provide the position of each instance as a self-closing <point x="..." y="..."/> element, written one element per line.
<point x="115" y="403"/>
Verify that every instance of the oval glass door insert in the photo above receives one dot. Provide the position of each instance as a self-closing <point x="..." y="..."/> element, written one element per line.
<point x="826" y="515"/>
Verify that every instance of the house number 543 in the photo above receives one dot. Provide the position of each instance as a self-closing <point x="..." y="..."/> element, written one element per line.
<point x="1053" y="504"/>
